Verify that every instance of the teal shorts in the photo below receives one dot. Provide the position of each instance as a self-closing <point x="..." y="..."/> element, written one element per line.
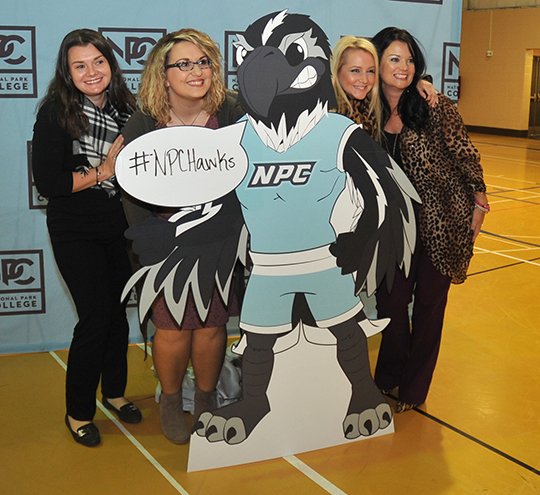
<point x="268" y="302"/>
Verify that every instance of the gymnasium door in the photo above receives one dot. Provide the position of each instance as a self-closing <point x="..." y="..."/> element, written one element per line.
<point x="534" y="112"/>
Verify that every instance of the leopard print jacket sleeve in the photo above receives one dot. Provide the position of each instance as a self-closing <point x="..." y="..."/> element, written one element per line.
<point x="444" y="166"/>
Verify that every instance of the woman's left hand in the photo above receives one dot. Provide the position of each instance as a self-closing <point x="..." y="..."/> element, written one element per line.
<point x="428" y="92"/>
<point x="476" y="224"/>
<point x="107" y="166"/>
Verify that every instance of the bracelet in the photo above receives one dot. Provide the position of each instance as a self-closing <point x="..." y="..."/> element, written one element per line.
<point x="482" y="207"/>
<point x="98" y="173"/>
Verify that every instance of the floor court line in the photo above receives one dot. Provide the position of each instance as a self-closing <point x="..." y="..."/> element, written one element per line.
<point x="494" y="269"/>
<point x="501" y="189"/>
<point x="529" y="198"/>
<point x="528" y="147"/>
<point x="132" y="439"/>
<point x="478" y="441"/>
<point x="517" y="162"/>
<point x="498" y="190"/>
<point x="514" y="239"/>
<point x="510" y="200"/>
<point x="505" y="177"/>
<point x="314" y="475"/>
<point x="489" y="251"/>
<point x="474" y="439"/>
<point x="523" y="249"/>
<point x="497" y="253"/>
<point x="501" y="194"/>
<point x="532" y="163"/>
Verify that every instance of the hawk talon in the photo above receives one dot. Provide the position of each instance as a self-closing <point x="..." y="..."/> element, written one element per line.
<point x="202" y="423"/>
<point x="235" y="431"/>
<point x="367" y="422"/>
<point x="215" y="429"/>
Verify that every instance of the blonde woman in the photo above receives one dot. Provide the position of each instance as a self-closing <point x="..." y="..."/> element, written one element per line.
<point x="182" y="85"/>
<point x="355" y="70"/>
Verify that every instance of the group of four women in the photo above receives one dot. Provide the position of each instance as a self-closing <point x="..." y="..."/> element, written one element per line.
<point x="88" y="114"/>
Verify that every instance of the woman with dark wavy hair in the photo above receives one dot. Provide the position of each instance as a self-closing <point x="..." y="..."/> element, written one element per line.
<point x="432" y="146"/>
<point x="74" y="147"/>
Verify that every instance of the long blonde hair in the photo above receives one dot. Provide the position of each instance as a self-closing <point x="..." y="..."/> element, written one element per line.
<point x="344" y="105"/>
<point x="153" y="96"/>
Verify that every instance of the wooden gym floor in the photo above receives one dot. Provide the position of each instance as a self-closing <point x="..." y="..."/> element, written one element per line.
<point x="479" y="431"/>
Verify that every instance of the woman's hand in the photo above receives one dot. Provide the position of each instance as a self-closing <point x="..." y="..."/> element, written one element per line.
<point x="428" y="92"/>
<point x="89" y="177"/>
<point x="476" y="224"/>
<point x="480" y="209"/>
<point x="106" y="169"/>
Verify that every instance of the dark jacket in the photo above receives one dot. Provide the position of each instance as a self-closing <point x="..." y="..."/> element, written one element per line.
<point x="90" y="213"/>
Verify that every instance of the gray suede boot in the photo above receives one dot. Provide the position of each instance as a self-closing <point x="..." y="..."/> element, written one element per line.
<point x="171" y="414"/>
<point x="204" y="401"/>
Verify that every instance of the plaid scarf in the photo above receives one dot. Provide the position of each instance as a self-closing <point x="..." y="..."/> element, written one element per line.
<point x="105" y="125"/>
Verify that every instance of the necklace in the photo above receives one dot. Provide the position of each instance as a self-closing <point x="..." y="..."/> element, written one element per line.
<point x="396" y="139"/>
<point x="183" y="123"/>
<point x="393" y="145"/>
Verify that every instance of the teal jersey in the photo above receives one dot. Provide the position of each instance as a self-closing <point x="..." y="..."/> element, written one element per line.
<point x="287" y="198"/>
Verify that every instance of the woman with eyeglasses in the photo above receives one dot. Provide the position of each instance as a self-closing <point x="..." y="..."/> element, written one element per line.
<point x="182" y="85"/>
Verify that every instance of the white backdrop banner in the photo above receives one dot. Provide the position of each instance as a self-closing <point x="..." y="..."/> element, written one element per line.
<point x="36" y="312"/>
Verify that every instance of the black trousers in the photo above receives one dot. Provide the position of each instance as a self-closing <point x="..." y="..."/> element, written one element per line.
<point x="410" y="346"/>
<point x="95" y="272"/>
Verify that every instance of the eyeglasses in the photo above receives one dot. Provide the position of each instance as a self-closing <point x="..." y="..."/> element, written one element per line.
<point x="187" y="65"/>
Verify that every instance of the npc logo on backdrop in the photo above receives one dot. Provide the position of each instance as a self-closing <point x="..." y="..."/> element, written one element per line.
<point x="18" y="62"/>
<point x="131" y="47"/>
<point x="35" y="200"/>
<point x="22" y="286"/>
<point x="450" y="70"/>
<point x="229" y="57"/>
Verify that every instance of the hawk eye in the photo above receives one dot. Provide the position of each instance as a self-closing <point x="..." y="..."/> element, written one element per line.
<point x="241" y="54"/>
<point x="297" y="52"/>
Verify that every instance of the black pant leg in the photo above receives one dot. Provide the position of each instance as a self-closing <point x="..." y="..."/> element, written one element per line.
<point x="114" y="371"/>
<point x="430" y="298"/>
<point x="395" y="343"/>
<point x="85" y="269"/>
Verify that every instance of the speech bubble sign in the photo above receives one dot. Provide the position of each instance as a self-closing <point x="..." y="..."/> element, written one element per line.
<point x="184" y="165"/>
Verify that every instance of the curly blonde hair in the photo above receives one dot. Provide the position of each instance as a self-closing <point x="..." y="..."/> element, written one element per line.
<point x="343" y="100"/>
<point x="153" y="96"/>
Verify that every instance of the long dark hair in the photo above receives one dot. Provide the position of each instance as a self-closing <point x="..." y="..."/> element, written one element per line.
<point x="412" y="108"/>
<point x="68" y="99"/>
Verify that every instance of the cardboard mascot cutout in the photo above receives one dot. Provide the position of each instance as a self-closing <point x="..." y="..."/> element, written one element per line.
<point x="328" y="214"/>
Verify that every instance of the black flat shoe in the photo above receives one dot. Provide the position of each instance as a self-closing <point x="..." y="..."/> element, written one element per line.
<point x="128" y="413"/>
<point x="87" y="435"/>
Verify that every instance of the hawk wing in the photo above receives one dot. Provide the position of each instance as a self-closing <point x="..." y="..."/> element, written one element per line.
<point x="194" y="251"/>
<point x="382" y="232"/>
